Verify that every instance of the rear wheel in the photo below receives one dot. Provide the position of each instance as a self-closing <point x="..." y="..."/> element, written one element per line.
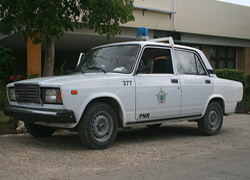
<point x="38" y="130"/>
<point x="211" y="122"/>
<point x="98" y="126"/>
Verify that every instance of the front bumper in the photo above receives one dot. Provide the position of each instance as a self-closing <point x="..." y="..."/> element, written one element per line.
<point x="41" y="115"/>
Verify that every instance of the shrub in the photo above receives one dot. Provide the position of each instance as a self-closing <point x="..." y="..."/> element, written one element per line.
<point x="3" y="96"/>
<point x="248" y="80"/>
<point x="6" y="63"/>
<point x="247" y="90"/>
<point x="231" y="74"/>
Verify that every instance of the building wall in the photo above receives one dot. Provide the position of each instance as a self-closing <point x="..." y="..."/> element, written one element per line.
<point x="159" y="4"/>
<point x="205" y="17"/>
<point x="243" y="59"/>
<point x="151" y="20"/>
<point x="247" y="61"/>
<point x="153" y="14"/>
<point x="213" y="17"/>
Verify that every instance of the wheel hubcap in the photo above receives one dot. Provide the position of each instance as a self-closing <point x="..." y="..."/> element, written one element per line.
<point x="213" y="119"/>
<point x="102" y="126"/>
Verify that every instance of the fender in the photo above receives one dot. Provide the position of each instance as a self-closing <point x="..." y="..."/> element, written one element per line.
<point x="213" y="96"/>
<point x="96" y="96"/>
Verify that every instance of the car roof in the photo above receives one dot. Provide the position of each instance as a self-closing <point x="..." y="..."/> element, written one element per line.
<point x="147" y="43"/>
<point x="161" y="44"/>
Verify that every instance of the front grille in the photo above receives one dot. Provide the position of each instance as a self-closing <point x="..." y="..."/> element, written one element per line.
<point x="27" y="93"/>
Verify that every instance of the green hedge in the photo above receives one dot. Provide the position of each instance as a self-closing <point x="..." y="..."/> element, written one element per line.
<point x="248" y="80"/>
<point x="231" y="74"/>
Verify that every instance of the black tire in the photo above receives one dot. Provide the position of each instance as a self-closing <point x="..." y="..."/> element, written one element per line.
<point x="211" y="122"/>
<point x="39" y="131"/>
<point x="154" y="126"/>
<point x="97" y="128"/>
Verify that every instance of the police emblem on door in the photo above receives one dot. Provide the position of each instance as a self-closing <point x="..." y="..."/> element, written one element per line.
<point x="161" y="96"/>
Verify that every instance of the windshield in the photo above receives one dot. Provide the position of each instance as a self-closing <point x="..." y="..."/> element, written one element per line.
<point x="119" y="59"/>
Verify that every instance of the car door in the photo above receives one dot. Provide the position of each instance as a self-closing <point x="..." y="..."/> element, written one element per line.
<point x="157" y="87"/>
<point x="196" y="85"/>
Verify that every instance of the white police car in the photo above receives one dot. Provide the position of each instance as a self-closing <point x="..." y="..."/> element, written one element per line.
<point x="125" y="85"/>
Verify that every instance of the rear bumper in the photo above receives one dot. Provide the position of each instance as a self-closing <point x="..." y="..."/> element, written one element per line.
<point x="41" y="115"/>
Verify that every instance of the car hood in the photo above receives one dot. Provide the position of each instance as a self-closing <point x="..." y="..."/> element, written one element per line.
<point x="59" y="80"/>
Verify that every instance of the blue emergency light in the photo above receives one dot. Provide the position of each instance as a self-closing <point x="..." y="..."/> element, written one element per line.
<point x="142" y="34"/>
<point x="142" y="31"/>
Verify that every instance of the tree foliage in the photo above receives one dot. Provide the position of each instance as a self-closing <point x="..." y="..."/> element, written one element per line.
<point x="51" y="18"/>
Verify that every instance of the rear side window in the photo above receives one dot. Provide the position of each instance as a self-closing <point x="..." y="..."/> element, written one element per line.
<point x="188" y="63"/>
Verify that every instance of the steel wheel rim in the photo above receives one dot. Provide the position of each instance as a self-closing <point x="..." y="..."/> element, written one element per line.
<point x="102" y="126"/>
<point x="213" y="119"/>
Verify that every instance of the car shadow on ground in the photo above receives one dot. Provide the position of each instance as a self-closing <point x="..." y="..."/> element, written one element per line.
<point x="166" y="132"/>
<point x="65" y="140"/>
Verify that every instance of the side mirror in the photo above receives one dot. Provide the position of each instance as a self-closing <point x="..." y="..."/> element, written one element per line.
<point x="81" y="57"/>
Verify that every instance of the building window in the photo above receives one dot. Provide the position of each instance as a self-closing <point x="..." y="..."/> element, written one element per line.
<point x="223" y="57"/>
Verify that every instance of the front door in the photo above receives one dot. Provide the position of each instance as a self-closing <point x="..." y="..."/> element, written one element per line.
<point x="158" y="94"/>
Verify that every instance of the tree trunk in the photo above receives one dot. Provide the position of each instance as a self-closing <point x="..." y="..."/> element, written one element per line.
<point x="49" y="57"/>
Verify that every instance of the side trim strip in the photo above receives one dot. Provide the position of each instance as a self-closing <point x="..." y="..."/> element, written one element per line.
<point x="185" y="118"/>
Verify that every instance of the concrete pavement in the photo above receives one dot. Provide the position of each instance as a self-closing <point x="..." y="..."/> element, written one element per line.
<point x="173" y="151"/>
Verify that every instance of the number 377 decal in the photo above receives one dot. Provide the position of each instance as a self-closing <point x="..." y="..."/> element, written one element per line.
<point x="127" y="83"/>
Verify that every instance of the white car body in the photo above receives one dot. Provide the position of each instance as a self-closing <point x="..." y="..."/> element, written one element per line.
<point x="140" y="99"/>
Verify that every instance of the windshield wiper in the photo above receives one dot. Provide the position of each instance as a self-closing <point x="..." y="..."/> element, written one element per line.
<point x="97" y="68"/>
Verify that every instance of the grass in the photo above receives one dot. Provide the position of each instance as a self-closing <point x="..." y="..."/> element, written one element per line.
<point x="3" y="118"/>
<point x="7" y="124"/>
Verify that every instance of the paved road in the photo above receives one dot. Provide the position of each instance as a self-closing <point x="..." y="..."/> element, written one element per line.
<point x="174" y="151"/>
<point x="233" y="164"/>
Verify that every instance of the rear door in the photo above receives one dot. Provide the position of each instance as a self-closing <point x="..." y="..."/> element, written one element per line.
<point x="157" y="87"/>
<point x="196" y="85"/>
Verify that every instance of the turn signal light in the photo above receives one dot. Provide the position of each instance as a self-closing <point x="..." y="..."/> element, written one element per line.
<point x="74" y="92"/>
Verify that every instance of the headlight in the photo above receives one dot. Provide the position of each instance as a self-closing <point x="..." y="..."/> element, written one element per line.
<point x="12" y="94"/>
<point x="51" y="96"/>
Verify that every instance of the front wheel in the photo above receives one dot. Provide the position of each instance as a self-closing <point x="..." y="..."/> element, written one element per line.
<point x="211" y="122"/>
<point x="98" y="126"/>
<point x="38" y="130"/>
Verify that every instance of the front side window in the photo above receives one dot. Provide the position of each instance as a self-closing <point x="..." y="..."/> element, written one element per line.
<point x="156" y="61"/>
<point x="119" y="59"/>
<point x="188" y="63"/>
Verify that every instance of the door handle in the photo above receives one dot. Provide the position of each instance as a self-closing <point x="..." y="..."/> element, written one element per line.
<point x="174" y="81"/>
<point x="208" y="81"/>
